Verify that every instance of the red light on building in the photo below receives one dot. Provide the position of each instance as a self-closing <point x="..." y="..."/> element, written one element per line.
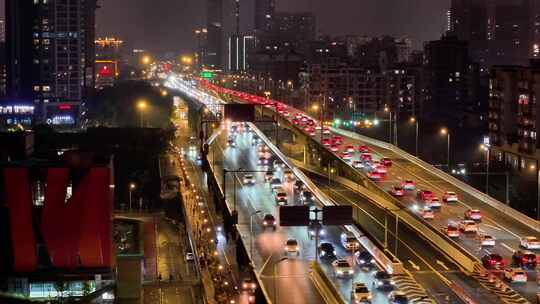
<point x="105" y="71"/>
<point x="64" y="107"/>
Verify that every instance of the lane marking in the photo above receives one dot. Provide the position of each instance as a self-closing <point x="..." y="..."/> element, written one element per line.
<point x="414" y="265"/>
<point x="508" y="247"/>
<point x="265" y="263"/>
<point x="441" y="263"/>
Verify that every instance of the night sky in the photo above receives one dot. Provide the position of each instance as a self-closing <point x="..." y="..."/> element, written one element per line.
<point x="167" y="25"/>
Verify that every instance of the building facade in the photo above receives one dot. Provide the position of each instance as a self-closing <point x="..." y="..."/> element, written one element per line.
<point x="240" y="48"/>
<point x="107" y="61"/>
<point x="50" y="57"/>
<point x="513" y="114"/>
<point x="498" y="31"/>
<point x="264" y="12"/>
<point x="214" y="36"/>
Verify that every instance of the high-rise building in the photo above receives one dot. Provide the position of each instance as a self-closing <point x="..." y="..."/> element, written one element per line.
<point x="264" y="13"/>
<point x="498" y="31"/>
<point x="214" y="44"/>
<point x="513" y="119"/>
<point x="50" y="56"/>
<point x="2" y="30"/>
<point x="450" y="82"/>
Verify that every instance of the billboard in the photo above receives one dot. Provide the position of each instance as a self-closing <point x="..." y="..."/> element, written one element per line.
<point x="239" y="112"/>
<point x="294" y="215"/>
<point x="337" y="215"/>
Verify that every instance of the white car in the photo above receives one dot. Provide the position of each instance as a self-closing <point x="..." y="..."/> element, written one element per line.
<point x="349" y="241"/>
<point x="342" y="268"/>
<point x="427" y="213"/>
<point x="515" y="275"/>
<point x="292" y="247"/>
<point x="529" y="242"/>
<point x="358" y="164"/>
<point x="281" y="196"/>
<point x="450" y="196"/>
<point x="468" y="226"/>
<point x="487" y="240"/>
<point x="360" y="293"/>
<point x="249" y="179"/>
<point x="434" y="203"/>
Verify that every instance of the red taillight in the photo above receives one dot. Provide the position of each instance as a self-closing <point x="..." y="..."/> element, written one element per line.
<point x="492" y="261"/>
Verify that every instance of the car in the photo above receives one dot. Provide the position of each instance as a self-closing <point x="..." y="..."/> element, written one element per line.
<point x="473" y="214"/>
<point x="364" y="258"/>
<point x="468" y="226"/>
<point x="255" y="140"/>
<point x="524" y="259"/>
<point x="190" y="257"/>
<point x="427" y="213"/>
<point x="288" y="175"/>
<point x="374" y="176"/>
<point x="281" y="196"/>
<point x="434" y="203"/>
<point x="346" y="155"/>
<point x="326" y="142"/>
<point x="306" y="197"/>
<point x="383" y="281"/>
<point x="299" y="185"/>
<point x="342" y="268"/>
<point x="529" y="242"/>
<point x="398" y="297"/>
<point x="358" y="164"/>
<point x="231" y="143"/>
<point x="451" y="231"/>
<point x="312" y="132"/>
<point x="487" y="240"/>
<point x="269" y="221"/>
<point x="408" y="184"/>
<point x="313" y="227"/>
<point x="334" y="148"/>
<point x="360" y="293"/>
<point x="249" y="179"/>
<point x="450" y="196"/>
<point x="249" y="285"/>
<point x="263" y="161"/>
<point x="381" y="169"/>
<point x="397" y="191"/>
<point x="386" y="161"/>
<point x="275" y="183"/>
<point x="278" y="164"/>
<point x="363" y="149"/>
<point x="349" y="241"/>
<point x="424" y="195"/>
<point x="327" y="251"/>
<point x="337" y="139"/>
<point x="515" y="275"/>
<point x="268" y="176"/>
<point x="296" y="121"/>
<point x="366" y="156"/>
<point x="493" y="261"/>
<point x="326" y="131"/>
<point x="349" y="149"/>
<point x="291" y="246"/>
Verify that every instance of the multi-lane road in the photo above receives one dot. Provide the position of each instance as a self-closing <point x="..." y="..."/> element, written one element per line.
<point x="292" y="273"/>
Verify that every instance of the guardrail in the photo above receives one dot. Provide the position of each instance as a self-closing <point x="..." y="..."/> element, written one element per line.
<point x="526" y="220"/>
<point x="328" y="290"/>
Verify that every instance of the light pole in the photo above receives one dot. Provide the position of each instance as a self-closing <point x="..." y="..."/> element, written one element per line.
<point x="485" y="148"/>
<point x="251" y="233"/>
<point x="131" y="188"/>
<point x="415" y="121"/>
<point x="390" y="125"/>
<point x="141" y="106"/>
<point x="445" y="131"/>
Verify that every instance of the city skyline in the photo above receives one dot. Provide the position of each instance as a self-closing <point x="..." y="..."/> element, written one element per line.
<point x="164" y="25"/>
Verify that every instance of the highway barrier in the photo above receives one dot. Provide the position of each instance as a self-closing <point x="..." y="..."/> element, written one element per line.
<point x="328" y="290"/>
<point x="503" y="208"/>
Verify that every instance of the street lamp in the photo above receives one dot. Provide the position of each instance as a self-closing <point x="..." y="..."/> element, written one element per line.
<point x="485" y="147"/>
<point x="251" y="233"/>
<point x="142" y="106"/>
<point x="415" y="121"/>
<point x="445" y="131"/>
<point x="131" y="188"/>
<point x="390" y="125"/>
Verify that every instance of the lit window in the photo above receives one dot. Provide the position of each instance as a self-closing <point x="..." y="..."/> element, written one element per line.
<point x="46" y="88"/>
<point x="36" y="88"/>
